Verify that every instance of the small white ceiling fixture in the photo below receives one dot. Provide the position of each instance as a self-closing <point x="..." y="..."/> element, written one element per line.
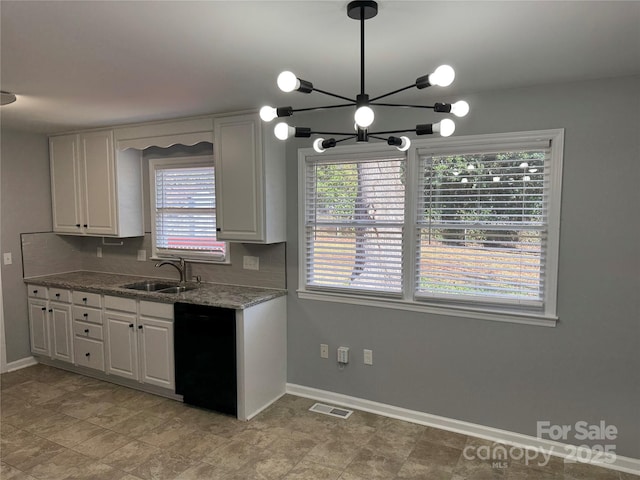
<point x="6" y="98"/>
<point x="364" y="115"/>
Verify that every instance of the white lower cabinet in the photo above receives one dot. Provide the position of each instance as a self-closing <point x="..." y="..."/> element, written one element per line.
<point x="50" y="326"/>
<point x="61" y="331"/>
<point x="140" y="341"/>
<point x="39" y="327"/>
<point x="122" y="358"/>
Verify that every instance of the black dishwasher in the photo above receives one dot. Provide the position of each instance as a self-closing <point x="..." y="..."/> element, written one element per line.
<point x="205" y="356"/>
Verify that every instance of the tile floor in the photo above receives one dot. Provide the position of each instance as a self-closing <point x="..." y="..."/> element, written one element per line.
<point x="57" y="425"/>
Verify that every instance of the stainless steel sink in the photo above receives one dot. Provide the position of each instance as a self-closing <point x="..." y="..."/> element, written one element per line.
<point x="176" y="289"/>
<point x="158" y="287"/>
<point x="149" y="286"/>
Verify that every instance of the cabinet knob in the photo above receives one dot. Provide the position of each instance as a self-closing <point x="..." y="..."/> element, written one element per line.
<point x="51" y="310"/>
<point x="35" y="292"/>
<point x="218" y="229"/>
<point x="44" y="309"/>
<point x="58" y="295"/>
<point x="139" y="327"/>
<point x="77" y="225"/>
<point x="86" y="330"/>
<point x="87" y="354"/>
<point x="85" y="225"/>
<point x="131" y="325"/>
<point x="84" y="299"/>
<point x="85" y="315"/>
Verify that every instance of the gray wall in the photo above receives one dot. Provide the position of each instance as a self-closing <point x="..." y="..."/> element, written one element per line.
<point x="26" y="207"/>
<point x="508" y="376"/>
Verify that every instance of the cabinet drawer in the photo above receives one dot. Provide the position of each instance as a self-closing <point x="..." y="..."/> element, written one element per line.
<point x="119" y="303"/>
<point x="60" y="295"/>
<point x="87" y="299"/>
<point x="37" y="291"/>
<point x="87" y="330"/>
<point x="155" y="309"/>
<point x="89" y="353"/>
<point x="85" y="314"/>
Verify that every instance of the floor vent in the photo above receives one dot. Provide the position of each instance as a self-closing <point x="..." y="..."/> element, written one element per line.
<point x="330" y="410"/>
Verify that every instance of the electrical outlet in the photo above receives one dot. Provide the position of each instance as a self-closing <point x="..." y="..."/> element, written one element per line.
<point x="8" y="260"/>
<point x="99" y="252"/>
<point x="368" y="357"/>
<point x="343" y="354"/>
<point x="142" y="255"/>
<point x="251" y="263"/>
<point x="324" y="350"/>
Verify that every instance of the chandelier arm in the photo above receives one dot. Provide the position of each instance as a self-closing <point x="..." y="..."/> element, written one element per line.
<point x="333" y="95"/>
<point x="378" y="138"/>
<point x="350" y="135"/>
<point x="393" y="92"/>
<point x="402" y="105"/>
<point x="310" y="109"/>
<point x="393" y="131"/>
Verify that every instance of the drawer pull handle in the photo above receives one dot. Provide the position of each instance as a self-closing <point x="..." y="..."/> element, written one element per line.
<point x="87" y="354"/>
<point x="86" y="330"/>
<point x="35" y="292"/>
<point x="131" y="325"/>
<point x="58" y="295"/>
<point x="84" y="299"/>
<point x="44" y="309"/>
<point x="85" y="315"/>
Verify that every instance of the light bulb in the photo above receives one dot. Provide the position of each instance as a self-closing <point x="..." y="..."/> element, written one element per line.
<point x="287" y="81"/>
<point x="442" y="76"/>
<point x="445" y="127"/>
<point x="268" y="113"/>
<point x="317" y="145"/>
<point x="283" y="131"/>
<point x="460" y="108"/>
<point x="405" y="145"/>
<point x="364" y="116"/>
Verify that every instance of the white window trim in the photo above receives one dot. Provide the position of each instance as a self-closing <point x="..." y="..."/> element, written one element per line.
<point x="547" y="318"/>
<point x="195" y="161"/>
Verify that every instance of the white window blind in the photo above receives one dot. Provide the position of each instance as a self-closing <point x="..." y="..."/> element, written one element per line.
<point x="354" y="218"/>
<point x="482" y="225"/>
<point x="185" y="211"/>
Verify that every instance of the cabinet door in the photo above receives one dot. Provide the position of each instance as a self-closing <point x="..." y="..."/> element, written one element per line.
<point x="98" y="184"/>
<point x="39" y="327"/>
<point x="61" y="332"/>
<point x="239" y="178"/>
<point x="65" y="196"/>
<point x="156" y="352"/>
<point x="122" y="347"/>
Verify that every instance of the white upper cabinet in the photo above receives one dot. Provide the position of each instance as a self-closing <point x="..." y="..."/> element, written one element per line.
<point x="250" y="181"/>
<point x="95" y="190"/>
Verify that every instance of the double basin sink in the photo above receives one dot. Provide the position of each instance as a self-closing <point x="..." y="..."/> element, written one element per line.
<point x="158" y="287"/>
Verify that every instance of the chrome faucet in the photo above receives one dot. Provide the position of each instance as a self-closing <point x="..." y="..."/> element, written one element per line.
<point x="181" y="267"/>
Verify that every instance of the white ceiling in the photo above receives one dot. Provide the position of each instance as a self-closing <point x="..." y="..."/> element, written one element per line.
<point x="90" y="63"/>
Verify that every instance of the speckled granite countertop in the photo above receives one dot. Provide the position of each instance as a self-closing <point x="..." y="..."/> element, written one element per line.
<point x="214" y="294"/>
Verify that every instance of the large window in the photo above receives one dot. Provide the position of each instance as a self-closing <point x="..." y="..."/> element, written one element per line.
<point x="467" y="224"/>
<point x="183" y="206"/>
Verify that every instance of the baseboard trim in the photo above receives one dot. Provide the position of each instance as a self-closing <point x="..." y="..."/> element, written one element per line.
<point x="558" y="449"/>
<point x="20" y="364"/>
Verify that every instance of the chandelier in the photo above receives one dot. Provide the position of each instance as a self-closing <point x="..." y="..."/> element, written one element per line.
<point x="364" y="115"/>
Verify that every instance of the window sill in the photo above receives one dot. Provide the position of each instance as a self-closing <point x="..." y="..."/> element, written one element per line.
<point x="398" y="304"/>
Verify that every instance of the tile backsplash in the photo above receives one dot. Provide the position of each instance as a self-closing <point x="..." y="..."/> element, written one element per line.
<point x="49" y="253"/>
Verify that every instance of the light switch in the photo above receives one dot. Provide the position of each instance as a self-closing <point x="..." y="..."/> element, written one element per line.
<point x="8" y="260"/>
